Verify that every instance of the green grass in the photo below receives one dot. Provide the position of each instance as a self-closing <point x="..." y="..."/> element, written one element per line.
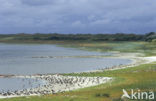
<point x="147" y="48"/>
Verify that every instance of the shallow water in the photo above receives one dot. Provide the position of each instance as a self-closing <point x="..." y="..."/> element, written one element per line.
<point x="25" y="59"/>
<point x="13" y="84"/>
<point x="18" y="59"/>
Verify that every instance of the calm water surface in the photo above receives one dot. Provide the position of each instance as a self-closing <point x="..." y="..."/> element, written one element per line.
<point x="18" y="59"/>
<point x="13" y="84"/>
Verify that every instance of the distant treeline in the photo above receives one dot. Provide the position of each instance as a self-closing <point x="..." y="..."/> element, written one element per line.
<point x="81" y="37"/>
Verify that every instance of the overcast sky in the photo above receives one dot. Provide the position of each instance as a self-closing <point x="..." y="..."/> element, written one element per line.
<point x="77" y="16"/>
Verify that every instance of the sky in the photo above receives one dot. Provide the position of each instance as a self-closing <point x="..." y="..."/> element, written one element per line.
<point x="77" y="16"/>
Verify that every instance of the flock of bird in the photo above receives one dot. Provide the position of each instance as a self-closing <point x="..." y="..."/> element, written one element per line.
<point x="55" y="84"/>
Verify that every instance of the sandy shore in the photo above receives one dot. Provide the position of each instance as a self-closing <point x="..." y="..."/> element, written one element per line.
<point x="137" y="59"/>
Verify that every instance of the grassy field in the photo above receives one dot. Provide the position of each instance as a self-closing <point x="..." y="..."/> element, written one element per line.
<point x="147" y="48"/>
<point x="141" y="77"/>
